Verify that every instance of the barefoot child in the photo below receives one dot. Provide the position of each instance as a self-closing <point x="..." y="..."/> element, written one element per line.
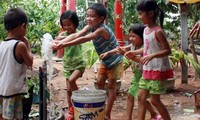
<point x="73" y="63"/>
<point x="103" y="40"/>
<point x="136" y="39"/>
<point x="15" y="55"/>
<point x="156" y="65"/>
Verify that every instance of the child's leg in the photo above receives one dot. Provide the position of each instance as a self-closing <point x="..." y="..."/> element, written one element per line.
<point x="111" y="97"/>
<point x="142" y="96"/>
<point x="102" y="77"/>
<point x="12" y="108"/>
<point x="101" y="81"/>
<point x="155" y="100"/>
<point x="130" y="105"/>
<point x="72" y="79"/>
<point x="71" y="85"/>
<point x="158" y="87"/>
<point x="113" y="75"/>
<point x="132" y="94"/>
<point x="150" y="109"/>
<point x="69" y="94"/>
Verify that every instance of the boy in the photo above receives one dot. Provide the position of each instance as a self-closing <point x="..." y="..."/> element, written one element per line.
<point x="15" y="55"/>
<point x="104" y="40"/>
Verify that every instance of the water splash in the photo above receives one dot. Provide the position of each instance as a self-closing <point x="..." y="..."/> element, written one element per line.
<point x="55" y="111"/>
<point x="47" y="52"/>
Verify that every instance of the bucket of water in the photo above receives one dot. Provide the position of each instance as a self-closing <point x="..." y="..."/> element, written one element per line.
<point x="89" y="104"/>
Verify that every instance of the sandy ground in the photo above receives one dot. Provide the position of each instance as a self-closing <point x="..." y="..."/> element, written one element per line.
<point x="180" y="106"/>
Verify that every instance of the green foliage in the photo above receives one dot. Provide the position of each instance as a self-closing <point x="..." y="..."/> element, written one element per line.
<point x="130" y="16"/>
<point x="195" y="65"/>
<point x="3" y="7"/>
<point x="43" y="17"/>
<point x="81" y="8"/>
<point x="89" y="53"/>
<point x="179" y="55"/>
<point x="32" y="82"/>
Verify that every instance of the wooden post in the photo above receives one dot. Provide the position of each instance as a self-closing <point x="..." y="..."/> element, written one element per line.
<point x="184" y="40"/>
<point x="71" y="5"/>
<point x="118" y="22"/>
<point x="60" y="52"/>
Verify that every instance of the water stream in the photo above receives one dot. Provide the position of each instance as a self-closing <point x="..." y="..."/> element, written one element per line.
<point x="47" y="54"/>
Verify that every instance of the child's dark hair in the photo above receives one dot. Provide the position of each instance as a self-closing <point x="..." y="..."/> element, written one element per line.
<point x="151" y="5"/>
<point x="100" y="9"/>
<point x="72" y="16"/>
<point x="137" y="29"/>
<point x="14" y="17"/>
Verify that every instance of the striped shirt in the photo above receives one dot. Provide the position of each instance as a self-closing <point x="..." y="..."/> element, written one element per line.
<point x="102" y="45"/>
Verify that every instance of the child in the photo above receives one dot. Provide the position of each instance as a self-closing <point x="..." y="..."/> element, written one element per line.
<point x="136" y="39"/>
<point x="156" y="65"/>
<point x="104" y="40"/>
<point x="15" y="55"/>
<point x="73" y="63"/>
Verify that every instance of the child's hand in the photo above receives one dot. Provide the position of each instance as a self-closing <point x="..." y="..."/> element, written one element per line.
<point x="121" y="51"/>
<point x="25" y="40"/>
<point x="129" y="55"/>
<point x="58" y="38"/>
<point x="103" y="55"/>
<point x="56" y="45"/>
<point x="145" y="60"/>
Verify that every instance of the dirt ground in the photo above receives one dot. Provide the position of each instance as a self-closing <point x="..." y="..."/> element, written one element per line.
<point x="179" y="101"/>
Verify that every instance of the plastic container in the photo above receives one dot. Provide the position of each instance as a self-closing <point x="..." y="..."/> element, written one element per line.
<point x="106" y="85"/>
<point x="35" y="99"/>
<point x="89" y="104"/>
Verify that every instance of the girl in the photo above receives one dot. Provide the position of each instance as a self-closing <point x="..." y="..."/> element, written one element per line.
<point x="136" y="39"/>
<point x="104" y="40"/>
<point x="73" y="64"/>
<point x="156" y="65"/>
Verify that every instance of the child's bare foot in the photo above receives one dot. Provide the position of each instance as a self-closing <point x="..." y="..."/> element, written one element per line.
<point x="107" y="118"/>
<point x="157" y="117"/>
<point x="70" y="115"/>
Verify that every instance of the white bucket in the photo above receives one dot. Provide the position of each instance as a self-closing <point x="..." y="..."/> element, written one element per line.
<point x="89" y="104"/>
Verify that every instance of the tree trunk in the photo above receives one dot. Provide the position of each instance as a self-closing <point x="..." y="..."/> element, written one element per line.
<point x="184" y="40"/>
<point x="63" y="7"/>
<point x="71" y="5"/>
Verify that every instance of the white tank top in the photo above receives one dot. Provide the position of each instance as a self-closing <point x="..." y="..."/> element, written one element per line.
<point x="157" y="68"/>
<point x="12" y="73"/>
